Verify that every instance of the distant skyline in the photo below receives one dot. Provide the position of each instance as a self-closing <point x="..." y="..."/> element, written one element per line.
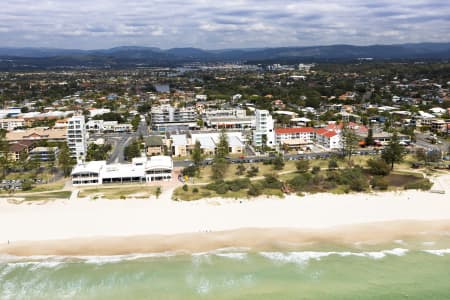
<point x="222" y="24"/>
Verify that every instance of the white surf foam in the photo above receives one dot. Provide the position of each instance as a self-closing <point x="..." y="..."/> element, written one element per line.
<point x="233" y="255"/>
<point x="439" y="252"/>
<point x="305" y="256"/>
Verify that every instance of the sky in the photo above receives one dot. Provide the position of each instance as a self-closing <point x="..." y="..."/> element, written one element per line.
<point x="212" y="24"/>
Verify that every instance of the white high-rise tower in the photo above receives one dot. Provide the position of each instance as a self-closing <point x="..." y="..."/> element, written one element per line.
<point x="76" y="137"/>
<point x="264" y="129"/>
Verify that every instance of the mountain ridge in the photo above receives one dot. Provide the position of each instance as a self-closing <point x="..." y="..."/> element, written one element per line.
<point x="127" y="56"/>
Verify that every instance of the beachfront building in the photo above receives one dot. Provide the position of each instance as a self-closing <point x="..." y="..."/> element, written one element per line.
<point x="295" y="137"/>
<point x="141" y="170"/>
<point x="328" y="139"/>
<point x="264" y="133"/>
<point x="76" y="137"/>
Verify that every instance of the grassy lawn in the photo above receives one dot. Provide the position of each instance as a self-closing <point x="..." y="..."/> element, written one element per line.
<point x="54" y="186"/>
<point x="48" y="196"/>
<point x="119" y="192"/>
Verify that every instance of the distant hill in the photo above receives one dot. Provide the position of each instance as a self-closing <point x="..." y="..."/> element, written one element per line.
<point x="130" y="56"/>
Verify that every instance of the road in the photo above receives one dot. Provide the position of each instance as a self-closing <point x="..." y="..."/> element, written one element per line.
<point x="422" y="140"/>
<point x="121" y="140"/>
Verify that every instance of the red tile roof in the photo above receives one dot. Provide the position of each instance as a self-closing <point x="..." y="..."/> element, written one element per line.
<point x="321" y="130"/>
<point x="294" y="130"/>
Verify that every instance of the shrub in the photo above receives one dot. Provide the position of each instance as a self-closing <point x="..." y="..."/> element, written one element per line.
<point x="379" y="183"/>
<point x="378" y="167"/>
<point x="254" y="190"/>
<point x="422" y="184"/>
<point x="222" y="188"/>
<point x="205" y="194"/>
<point x="347" y="176"/>
<point x="253" y="171"/>
<point x="185" y="188"/>
<point x="195" y="190"/>
<point x="272" y="182"/>
<point x="359" y="184"/>
<point x="302" y="166"/>
<point x="238" y="184"/>
<point x="332" y="164"/>
<point x="240" y="169"/>
<point x="300" y="181"/>
<point x="315" y="170"/>
<point x="278" y="163"/>
<point x="189" y="171"/>
<point x="317" y="179"/>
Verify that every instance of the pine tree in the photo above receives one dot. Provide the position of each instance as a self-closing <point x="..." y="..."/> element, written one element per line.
<point x="349" y="141"/>
<point x="4" y="153"/>
<point x="369" y="139"/>
<point x="223" y="148"/>
<point x="394" y="151"/>
<point x="65" y="161"/>
<point x="196" y="154"/>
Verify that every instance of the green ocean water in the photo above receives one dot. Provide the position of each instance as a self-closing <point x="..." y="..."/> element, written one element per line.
<point x="400" y="270"/>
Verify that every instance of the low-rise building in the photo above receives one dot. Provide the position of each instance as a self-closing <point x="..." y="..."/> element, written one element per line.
<point x="44" y="153"/>
<point x="38" y="134"/>
<point x="179" y="145"/>
<point x="154" y="145"/>
<point x="11" y="124"/>
<point x="142" y="170"/>
<point x="328" y="139"/>
<point x="295" y="137"/>
<point x="19" y="149"/>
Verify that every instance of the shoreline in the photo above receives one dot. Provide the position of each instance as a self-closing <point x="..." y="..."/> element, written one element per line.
<point x="159" y="225"/>
<point x="250" y="239"/>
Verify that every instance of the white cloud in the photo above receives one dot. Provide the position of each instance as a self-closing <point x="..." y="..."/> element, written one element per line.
<point x="214" y="24"/>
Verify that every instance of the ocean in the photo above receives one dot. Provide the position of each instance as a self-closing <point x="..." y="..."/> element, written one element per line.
<point x="397" y="270"/>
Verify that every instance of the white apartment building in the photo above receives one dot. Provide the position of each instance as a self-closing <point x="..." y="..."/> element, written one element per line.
<point x="11" y="124"/>
<point x="328" y="139"/>
<point x="296" y="136"/>
<point x="168" y="113"/>
<point x="76" y="137"/>
<point x="228" y="118"/>
<point x="264" y="129"/>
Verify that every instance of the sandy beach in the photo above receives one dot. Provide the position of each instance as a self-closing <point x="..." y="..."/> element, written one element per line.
<point x="88" y="226"/>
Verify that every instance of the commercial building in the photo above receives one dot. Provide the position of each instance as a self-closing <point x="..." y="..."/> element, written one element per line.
<point x="107" y="126"/>
<point x="167" y="117"/>
<point x="76" y="137"/>
<point x="228" y="118"/>
<point x="142" y="170"/>
<point x="182" y="145"/>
